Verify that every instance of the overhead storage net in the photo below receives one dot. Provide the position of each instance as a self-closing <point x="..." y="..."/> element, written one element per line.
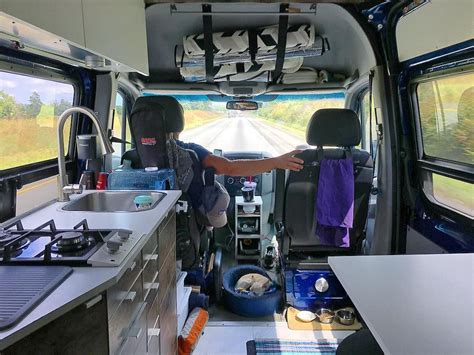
<point x="247" y="54"/>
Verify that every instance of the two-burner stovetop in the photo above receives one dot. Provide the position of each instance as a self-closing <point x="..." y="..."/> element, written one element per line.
<point x="48" y="245"/>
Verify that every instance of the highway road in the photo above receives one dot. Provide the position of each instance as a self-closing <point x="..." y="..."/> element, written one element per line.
<point x="242" y="134"/>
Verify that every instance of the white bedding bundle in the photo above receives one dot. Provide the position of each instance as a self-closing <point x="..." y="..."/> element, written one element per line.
<point x="232" y="55"/>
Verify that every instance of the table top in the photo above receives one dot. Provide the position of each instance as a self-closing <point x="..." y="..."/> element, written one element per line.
<point x="413" y="304"/>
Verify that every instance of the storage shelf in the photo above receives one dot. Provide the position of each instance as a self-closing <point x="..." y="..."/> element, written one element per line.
<point x="248" y="215"/>
<point x="256" y="216"/>
<point x="248" y="236"/>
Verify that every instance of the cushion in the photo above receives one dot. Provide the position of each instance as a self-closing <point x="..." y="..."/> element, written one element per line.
<point x="192" y="331"/>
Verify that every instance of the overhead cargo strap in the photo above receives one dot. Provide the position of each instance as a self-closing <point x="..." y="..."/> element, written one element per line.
<point x="208" y="45"/>
<point x="253" y="46"/>
<point x="282" y="29"/>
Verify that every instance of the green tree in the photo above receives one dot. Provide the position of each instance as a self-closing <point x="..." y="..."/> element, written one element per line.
<point x="119" y="110"/>
<point x="8" y="106"/>
<point x="61" y="106"/>
<point x="33" y="108"/>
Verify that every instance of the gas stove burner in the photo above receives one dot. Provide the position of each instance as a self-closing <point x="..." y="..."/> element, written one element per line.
<point x="6" y="237"/>
<point x="70" y="242"/>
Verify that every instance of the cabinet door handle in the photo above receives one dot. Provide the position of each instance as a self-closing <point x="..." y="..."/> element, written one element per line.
<point x="93" y="302"/>
<point x="153" y="332"/>
<point x="134" y="264"/>
<point x="153" y="257"/>
<point x="130" y="296"/>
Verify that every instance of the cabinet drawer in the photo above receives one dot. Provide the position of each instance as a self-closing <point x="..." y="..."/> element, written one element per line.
<point x="167" y="277"/>
<point x="152" y="308"/>
<point x="150" y="247"/>
<point x="154" y="343"/>
<point x="119" y="291"/>
<point x="121" y="321"/>
<point x="166" y="239"/>
<point x="150" y="275"/>
<point x="168" y="323"/>
<point x="135" y="338"/>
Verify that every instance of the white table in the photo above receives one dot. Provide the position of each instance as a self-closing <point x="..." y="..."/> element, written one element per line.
<point x="413" y="304"/>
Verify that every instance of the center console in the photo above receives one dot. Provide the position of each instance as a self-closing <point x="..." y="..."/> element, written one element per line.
<point x="233" y="184"/>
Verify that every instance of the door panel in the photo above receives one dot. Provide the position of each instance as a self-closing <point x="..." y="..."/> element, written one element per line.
<point x="436" y="88"/>
<point x="435" y="25"/>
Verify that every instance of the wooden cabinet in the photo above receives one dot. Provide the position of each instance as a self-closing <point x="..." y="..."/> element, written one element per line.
<point x="117" y="29"/>
<point x="111" y="33"/>
<point x="142" y="305"/>
<point x="63" y="18"/>
<point x="82" y="330"/>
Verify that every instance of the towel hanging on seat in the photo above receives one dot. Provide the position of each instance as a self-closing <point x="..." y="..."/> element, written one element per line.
<point x="335" y="201"/>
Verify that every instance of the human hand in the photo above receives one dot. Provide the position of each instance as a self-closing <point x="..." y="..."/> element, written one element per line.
<point x="289" y="161"/>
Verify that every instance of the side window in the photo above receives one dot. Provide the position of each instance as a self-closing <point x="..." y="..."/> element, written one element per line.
<point x="446" y="124"/>
<point x="29" y="111"/>
<point x="121" y="129"/>
<point x="446" y="108"/>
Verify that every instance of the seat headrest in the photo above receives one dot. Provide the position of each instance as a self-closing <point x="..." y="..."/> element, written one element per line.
<point x="334" y="127"/>
<point x="173" y="111"/>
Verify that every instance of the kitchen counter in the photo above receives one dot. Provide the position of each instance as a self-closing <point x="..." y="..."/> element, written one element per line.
<point x="85" y="282"/>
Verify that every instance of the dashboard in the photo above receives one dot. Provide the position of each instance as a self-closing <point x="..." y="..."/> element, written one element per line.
<point x="233" y="184"/>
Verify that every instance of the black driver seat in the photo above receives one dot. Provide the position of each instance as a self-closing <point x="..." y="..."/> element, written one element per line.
<point x="333" y="128"/>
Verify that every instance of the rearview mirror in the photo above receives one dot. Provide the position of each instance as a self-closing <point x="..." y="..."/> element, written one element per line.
<point x="242" y="105"/>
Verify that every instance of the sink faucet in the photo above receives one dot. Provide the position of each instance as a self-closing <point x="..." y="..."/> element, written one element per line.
<point x="65" y="189"/>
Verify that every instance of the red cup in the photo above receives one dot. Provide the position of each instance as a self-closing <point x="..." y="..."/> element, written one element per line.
<point x="102" y="181"/>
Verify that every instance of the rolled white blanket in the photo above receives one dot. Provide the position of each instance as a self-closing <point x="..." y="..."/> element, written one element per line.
<point x="237" y="42"/>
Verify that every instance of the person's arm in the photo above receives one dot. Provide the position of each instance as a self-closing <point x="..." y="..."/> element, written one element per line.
<point x="244" y="167"/>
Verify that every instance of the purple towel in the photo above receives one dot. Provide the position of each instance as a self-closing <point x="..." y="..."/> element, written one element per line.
<point x="335" y="201"/>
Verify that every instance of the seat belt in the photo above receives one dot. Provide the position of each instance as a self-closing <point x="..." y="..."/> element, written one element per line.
<point x="279" y="197"/>
<point x="281" y="45"/>
<point x="208" y="43"/>
<point x="374" y="152"/>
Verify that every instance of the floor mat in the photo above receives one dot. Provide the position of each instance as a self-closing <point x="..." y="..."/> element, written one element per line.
<point x="295" y="324"/>
<point x="290" y="347"/>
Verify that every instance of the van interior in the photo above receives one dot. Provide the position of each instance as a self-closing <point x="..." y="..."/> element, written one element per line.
<point x="118" y="235"/>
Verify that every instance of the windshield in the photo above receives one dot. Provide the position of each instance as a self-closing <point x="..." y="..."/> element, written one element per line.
<point x="277" y="127"/>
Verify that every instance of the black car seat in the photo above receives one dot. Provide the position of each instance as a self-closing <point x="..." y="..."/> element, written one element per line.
<point x="340" y="130"/>
<point x="152" y="118"/>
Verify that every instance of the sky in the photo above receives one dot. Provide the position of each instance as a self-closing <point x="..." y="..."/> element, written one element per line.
<point x="21" y="87"/>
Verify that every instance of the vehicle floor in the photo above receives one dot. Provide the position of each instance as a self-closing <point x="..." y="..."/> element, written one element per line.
<point x="227" y="333"/>
<point x="230" y="338"/>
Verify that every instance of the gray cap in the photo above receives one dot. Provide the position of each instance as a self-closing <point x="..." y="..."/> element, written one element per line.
<point x="215" y="201"/>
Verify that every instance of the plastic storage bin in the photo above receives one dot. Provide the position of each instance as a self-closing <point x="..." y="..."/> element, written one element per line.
<point x="139" y="179"/>
<point x="183" y="308"/>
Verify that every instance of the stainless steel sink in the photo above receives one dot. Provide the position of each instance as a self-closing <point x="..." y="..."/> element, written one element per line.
<point x="112" y="201"/>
